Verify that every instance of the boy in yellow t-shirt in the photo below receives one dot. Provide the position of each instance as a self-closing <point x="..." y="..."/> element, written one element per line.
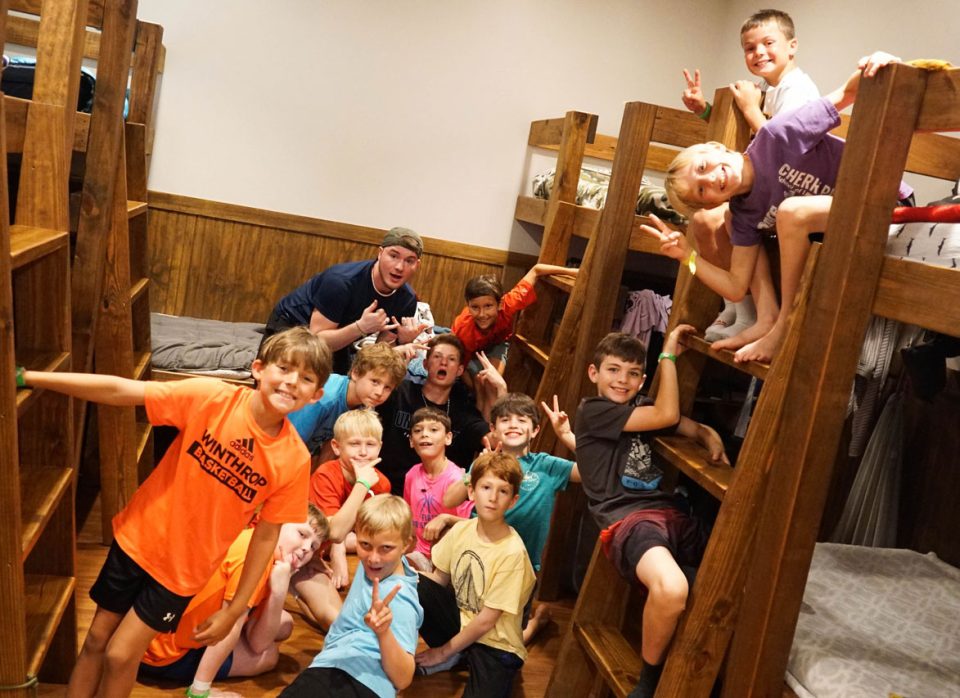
<point x="483" y="570"/>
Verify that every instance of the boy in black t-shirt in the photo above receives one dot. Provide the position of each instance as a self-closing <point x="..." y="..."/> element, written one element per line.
<point x="647" y="533"/>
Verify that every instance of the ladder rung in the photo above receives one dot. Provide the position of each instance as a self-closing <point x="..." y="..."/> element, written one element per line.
<point x="692" y="459"/>
<point x="615" y="659"/>
<point x="564" y="283"/>
<point x="28" y="244"/>
<point x="725" y="356"/>
<point x="532" y="350"/>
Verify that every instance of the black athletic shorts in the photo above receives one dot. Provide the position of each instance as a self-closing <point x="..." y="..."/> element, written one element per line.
<point x="123" y="584"/>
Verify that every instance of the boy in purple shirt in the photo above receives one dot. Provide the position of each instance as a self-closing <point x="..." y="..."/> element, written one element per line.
<point x="782" y="183"/>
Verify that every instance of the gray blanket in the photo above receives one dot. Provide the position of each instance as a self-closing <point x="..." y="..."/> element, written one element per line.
<point x="195" y="344"/>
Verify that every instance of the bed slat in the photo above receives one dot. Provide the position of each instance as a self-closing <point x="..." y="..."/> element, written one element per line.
<point x="921" y="294"/>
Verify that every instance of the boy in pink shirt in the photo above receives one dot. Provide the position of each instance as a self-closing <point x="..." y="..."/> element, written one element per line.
<point x="426" y="482"/>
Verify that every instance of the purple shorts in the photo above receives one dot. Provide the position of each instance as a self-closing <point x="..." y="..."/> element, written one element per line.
<point x="627" y="540"/>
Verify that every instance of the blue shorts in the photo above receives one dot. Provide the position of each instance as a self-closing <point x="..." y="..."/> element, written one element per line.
<point x="184" y="669"/>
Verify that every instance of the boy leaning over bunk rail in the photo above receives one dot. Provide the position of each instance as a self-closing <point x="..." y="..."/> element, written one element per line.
<point x="252" y="645"/>
<point x="647" y="534"/>
<point x="369" y="649"/>
<point x="236" y="453"/>
<point x="769" y="43"/>
<point x="783" y="182"/>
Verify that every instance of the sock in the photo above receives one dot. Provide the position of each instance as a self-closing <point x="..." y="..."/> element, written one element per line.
<point x="649" y="678"/>
<point x="725" y="319"/>
<point x="746" y="317"/>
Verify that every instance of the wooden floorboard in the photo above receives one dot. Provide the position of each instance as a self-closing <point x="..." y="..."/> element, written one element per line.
<point x="297" y="652"/>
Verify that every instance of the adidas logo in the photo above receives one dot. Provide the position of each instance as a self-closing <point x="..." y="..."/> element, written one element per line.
<point x="244" y="446"/>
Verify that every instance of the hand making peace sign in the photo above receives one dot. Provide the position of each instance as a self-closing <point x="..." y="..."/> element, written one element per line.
<point x="379" y="616"/>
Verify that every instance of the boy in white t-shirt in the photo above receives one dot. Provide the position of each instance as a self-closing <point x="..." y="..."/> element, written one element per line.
<point x="769" y="44"/>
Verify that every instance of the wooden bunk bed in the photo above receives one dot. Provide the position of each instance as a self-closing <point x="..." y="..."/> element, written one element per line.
<point x="37" y="538"/>
<point x="650" y="136"/>
<point x="809" y="381"/>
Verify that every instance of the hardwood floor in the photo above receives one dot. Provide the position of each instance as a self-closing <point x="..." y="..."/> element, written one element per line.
<point x="297" y="652"/>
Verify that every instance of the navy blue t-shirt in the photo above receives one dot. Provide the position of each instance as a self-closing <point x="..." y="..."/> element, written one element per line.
<point x="341" y="293"/>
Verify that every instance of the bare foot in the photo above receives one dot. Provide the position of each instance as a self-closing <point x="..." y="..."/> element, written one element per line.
<point x="750" y="334"/>
<point x="764" y="349"/>
<point x="538" y="621"/>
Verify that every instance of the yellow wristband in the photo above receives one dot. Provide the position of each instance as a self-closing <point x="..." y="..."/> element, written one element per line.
<point x="692" y="262"/>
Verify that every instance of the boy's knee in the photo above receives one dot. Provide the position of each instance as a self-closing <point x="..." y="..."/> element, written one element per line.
<point x="95" y="642"/>
<point x="118" y="657"/>
<point x="669" y="592"/>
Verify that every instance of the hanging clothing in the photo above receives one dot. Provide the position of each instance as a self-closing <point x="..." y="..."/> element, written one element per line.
<point x="646" y="311"/>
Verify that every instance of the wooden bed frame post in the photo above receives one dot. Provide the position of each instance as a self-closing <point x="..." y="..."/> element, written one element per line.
<point x="816" y="399"/>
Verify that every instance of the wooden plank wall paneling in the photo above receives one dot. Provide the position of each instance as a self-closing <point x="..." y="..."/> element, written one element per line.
<point x="233" y="263"/>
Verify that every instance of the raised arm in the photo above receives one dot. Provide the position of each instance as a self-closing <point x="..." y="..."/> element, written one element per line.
<point x="261" y="631"/>
<point x="693" y="98"/>
<point x="106" y="390"/>
<point x="342" y="522"/>
<point x="561" y="424"/>
<point x="732" y="285"/>
<point x="548" y="269"/>
<point x="665" y="412"/>
<point x="867" y="67"/>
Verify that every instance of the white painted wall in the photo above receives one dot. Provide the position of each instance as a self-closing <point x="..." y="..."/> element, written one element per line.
<point x="400" y="112"/>
<point x="415" y="112"/>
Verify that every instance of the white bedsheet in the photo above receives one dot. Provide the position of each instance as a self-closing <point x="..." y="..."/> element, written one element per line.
<point x="876" y="622"/>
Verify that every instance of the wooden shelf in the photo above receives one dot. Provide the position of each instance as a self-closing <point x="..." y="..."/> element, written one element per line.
<point x="690" y="458"/>
<point x="725" y="356"/>
<point x="532" y="350"/>
<point x="136" y="208"/>
<point x="40" y="494"/>
<point x="138" y="288"/>
<point x="28" y="244"/>
<point x="46" y="361"/>
<point x="46" y="599"/>
<point x="613" y="656"/>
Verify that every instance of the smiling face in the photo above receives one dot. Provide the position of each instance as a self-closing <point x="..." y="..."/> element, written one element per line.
<point x="618" y="380"/>
<point x="443" y="365"/>
<point x="492" y="497"/>
<point x="514" y="432"/>
<point x="297" y="544"/>
<point x="373" y="387"/>
<point x="483" y="310"/>
<point x="767" y="51"/>
<point x="356" y="449"/>
<point x="380" y="553"/>
<point x="395" y="266"/>
<point x="712" y="176"/>
<point x="429" y="438"/>
<point x="286" y="386"/>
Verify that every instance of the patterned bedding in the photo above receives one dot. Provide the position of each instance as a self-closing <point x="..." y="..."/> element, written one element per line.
<point x="210" y="347"/>
<point x="933" y="243"/>
<point x="592" y="192"/>
<point x="877" y="622"/>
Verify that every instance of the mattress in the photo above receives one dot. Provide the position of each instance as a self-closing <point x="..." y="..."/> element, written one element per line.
<point x="932" y="243"/>
<point x="208" y="347"/>
<point x="877" y="622"/>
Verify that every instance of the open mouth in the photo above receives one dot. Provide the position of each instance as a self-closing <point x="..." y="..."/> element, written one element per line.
<point x="441" y="373"/>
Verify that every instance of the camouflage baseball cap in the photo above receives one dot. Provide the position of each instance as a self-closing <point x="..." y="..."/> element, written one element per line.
<point x="404" y="237"/>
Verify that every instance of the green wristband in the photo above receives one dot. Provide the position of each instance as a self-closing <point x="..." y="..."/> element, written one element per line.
<point x="706" y="112"/>
<point x="21" y="383"/>
<point x="665" y="355"/>
<point x="191" y="694"/>
<point x="365" y="484"/>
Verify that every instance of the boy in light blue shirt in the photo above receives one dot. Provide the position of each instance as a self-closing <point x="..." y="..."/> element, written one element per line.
<point x="369" y="649"/>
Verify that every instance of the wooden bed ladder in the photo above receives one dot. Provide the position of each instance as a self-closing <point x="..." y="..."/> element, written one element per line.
<point x="809" y="380"/>
<point x="37" y="536"/>
<point x="591" y="299"/>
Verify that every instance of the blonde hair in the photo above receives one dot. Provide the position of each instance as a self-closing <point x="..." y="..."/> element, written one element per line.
<point x="678" y="190"/>
<point x="385" y="512"/>
<point x="300" y="346"/>
<point x="318" y="522"/>
<point x="359" y="422"/>
<point x="379" y="357"/>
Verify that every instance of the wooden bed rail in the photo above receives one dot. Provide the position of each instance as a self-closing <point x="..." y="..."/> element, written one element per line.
<point x="33" y="7"/>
